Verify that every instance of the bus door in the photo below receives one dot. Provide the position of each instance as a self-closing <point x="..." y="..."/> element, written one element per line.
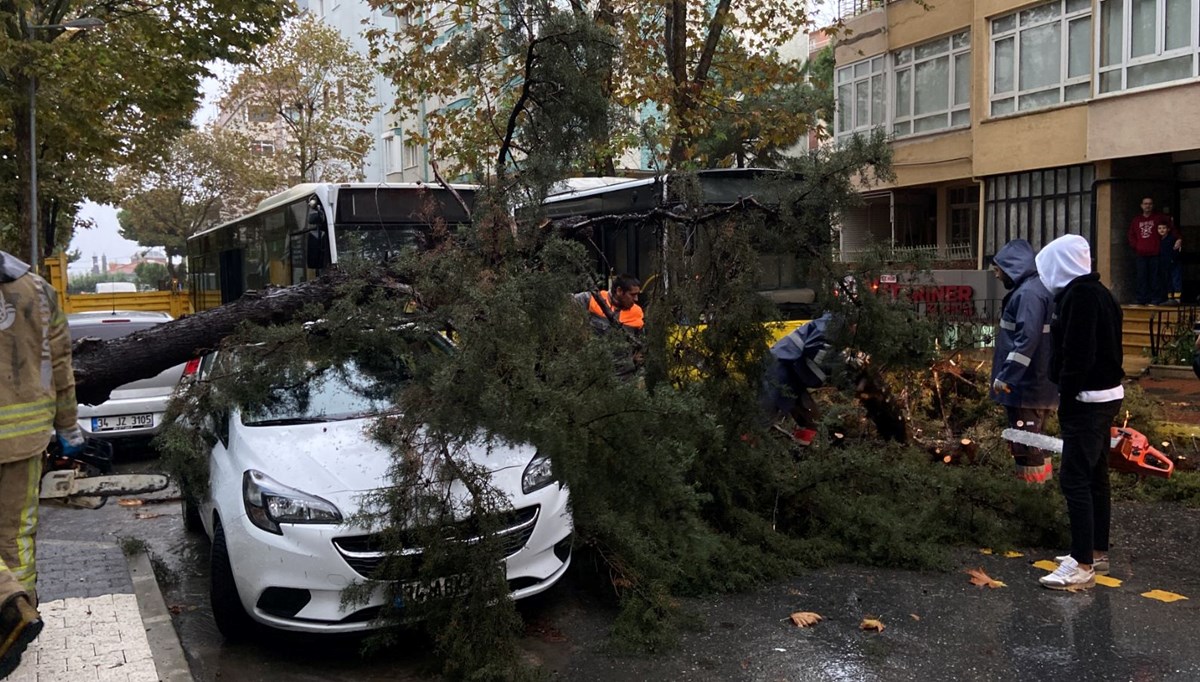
<point x="232" y="274"/>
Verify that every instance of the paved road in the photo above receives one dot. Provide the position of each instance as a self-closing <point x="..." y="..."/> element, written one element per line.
<point x="938" y="627"/>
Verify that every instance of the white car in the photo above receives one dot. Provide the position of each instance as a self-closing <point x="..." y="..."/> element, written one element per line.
<point x="134" y="410"/>
<point x="285" y="484"/>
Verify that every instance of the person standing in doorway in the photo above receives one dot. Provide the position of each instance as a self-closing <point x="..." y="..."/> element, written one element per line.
<point x="1170" y="274"/>
<point x="1086" y="365"/>
<point x="1145" y="242"/>
<point x="1021" y="360"/>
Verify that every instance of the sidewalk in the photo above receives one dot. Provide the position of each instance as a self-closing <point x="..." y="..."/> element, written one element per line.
<point x="105" y="620"/>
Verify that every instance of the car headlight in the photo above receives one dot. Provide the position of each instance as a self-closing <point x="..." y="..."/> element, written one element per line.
<point x="270" y="503"/>
<point x="538" y="474"/>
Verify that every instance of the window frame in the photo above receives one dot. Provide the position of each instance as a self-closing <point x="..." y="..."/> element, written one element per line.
<point x="876" y="67"/>
<point x="911" y="66"/>
<point x="409" y="160"/>
<point x="1160" y="54"/>
<point x="1064" y="19"/>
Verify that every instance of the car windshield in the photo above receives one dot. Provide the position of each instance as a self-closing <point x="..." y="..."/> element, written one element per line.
<point x="353" y="390"/>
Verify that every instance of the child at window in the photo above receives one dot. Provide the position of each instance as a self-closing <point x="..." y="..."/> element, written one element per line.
<point x="1170" y="274"/>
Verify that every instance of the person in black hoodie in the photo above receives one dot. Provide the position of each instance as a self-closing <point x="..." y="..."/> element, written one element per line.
<point x="1086" y="365"/>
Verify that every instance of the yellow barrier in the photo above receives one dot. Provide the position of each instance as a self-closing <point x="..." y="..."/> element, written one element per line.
<point x="175" y="303"/>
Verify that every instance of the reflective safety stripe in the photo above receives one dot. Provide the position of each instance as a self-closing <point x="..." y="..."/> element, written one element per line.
<point x="1045" y="329"/>
<point x="22" y="410"/>
<point x="27" y="429"/>
<point x="1017" y="357"/>
<point x="816" y="369"/>
<point x="1010" y="326"/>
<point x="26" y="568"/>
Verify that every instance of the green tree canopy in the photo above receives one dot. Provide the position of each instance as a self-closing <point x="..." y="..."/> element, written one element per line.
<point x="110" y="97"/>
<point x="205" y="177"/>
<point x="318" y="90"/>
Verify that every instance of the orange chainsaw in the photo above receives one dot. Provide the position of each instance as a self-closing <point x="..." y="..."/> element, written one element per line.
<point x="1129" y="451"/>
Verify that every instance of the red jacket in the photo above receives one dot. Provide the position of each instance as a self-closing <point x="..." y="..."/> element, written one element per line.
<point x="1143" y="233"/>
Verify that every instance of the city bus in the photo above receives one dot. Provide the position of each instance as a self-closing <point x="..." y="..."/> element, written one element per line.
<point x="292" y="236"/>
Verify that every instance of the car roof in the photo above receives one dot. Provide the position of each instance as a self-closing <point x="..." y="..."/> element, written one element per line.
<point x="113" y="315"/>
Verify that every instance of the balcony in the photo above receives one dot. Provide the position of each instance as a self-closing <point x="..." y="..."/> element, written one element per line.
<point x="847" y="9"/>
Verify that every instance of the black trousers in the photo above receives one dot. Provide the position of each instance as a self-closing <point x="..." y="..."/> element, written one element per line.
<point x="1084" y="473"/>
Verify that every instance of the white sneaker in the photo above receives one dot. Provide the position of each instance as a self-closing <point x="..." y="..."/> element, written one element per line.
<point x="1069" y="576"/>
<point x="1099" y="562"/>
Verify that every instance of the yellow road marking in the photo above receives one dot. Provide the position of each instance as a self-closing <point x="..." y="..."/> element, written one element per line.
<point x="1163" y="596"/>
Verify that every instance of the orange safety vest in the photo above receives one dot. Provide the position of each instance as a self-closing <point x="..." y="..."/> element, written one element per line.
<point x="633" y="318"/>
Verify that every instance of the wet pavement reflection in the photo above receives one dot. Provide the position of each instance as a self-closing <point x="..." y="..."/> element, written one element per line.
<point x="937" y="625"/>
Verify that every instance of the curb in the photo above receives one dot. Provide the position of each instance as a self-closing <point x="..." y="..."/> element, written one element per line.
<point x="169" y="661"/>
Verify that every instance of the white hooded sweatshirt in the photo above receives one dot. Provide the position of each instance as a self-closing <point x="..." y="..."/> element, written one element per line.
<point x="1062" y="260"/>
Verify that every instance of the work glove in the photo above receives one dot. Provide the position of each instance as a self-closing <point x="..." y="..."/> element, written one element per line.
<point x="71" y="441"/>
<point x="1000" y="387"/>
<point x="857" y="359"/>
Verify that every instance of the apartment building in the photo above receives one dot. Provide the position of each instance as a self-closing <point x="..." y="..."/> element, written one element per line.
<point x="1018" y="119"/>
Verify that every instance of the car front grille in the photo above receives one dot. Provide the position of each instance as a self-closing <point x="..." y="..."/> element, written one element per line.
<point x="364" y="553"/>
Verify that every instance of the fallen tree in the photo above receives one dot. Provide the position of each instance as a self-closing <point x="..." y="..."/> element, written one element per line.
<point x="101" y="366"/>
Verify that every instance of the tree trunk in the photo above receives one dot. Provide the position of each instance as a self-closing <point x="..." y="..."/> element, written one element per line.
<point x="101" y="366"/>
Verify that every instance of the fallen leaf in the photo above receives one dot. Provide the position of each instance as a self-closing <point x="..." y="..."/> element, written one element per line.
<point x="129" y="502"/>
<point x="804" y="619"/>
<point x="871" y="624"/>
<point x="1012" y="555"/>
<point x="985" y="550"/>
<point x="978" y="577"/>
<point x="914" y="616"/>
<point x="175" y="609"/>
<point x="146" y="515"/>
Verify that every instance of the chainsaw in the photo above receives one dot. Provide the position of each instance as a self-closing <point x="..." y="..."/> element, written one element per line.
<point x="86" y="479"/>
<point x="1129" y="450"/>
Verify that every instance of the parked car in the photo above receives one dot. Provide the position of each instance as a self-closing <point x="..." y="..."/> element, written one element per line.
<point x="134" y="410"/>
<point x="287" y="481"/>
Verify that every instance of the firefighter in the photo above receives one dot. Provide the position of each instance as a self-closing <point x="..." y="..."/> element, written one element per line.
<point x="37" y="395"/>
<point x="1021" y="360"/>
<point x="800" y="361"/>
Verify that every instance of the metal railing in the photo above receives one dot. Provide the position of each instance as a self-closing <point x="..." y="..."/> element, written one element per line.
<point x="947" y="252"/>
<point x="852" y="8"/>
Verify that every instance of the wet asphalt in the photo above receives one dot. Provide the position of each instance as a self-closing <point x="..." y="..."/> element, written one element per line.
<point x="937" y="626"/>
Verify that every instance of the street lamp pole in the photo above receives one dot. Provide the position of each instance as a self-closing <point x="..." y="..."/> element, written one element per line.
<point x="69" y="28"/>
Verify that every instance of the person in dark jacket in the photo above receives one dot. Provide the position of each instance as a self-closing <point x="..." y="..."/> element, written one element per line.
<point x="1021" y="361"/>
<point x="1086" y="365"/>
<point x="799" y="362"/>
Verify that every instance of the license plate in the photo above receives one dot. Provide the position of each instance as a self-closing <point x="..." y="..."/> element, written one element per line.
<point x="123" y="422"/>
<point x="419" y="592"/>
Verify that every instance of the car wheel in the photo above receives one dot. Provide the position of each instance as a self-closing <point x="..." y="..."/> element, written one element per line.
<point x="231" y="617"/>
<point x="191" y="516"/>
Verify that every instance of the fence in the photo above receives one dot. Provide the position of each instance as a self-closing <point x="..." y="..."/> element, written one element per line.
<point x="850" y="8"/>
<point x="947" y="252"/>
<point x="174" y="303"/>
<point x="1171" y="329"/>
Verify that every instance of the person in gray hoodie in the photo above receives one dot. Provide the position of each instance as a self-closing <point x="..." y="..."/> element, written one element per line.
<point x="1021" y="361"/>
<point x="1086" y="365"/>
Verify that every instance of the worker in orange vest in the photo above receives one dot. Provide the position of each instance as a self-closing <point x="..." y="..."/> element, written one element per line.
<point x="617" y="308"/>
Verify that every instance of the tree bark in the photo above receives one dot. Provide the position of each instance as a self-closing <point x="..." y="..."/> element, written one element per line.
<point x="101" y="366"/>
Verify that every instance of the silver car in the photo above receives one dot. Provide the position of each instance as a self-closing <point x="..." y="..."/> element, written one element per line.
<point x="134" y="410"/>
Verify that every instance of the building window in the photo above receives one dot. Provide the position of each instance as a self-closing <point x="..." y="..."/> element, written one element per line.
<point x="861" y="96"/>
<point x="1144" y="42"/>
<point x="964" y="216"/>
<point x="390" y="145"/>
<point x="1041" y="56"/>
<point x="257" y="113"/>
<point x="412" y="154"/>
<point x="1039" y="206"/>
<point x="262" y="147"/>
<point x="932" y="85"/>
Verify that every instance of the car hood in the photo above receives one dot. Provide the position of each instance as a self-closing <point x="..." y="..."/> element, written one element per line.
<point x="341" y="460"/>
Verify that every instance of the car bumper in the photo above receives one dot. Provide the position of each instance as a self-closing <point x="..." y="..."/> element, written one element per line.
<point x="114" y="410"/>
<point x="294" y="581"/>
